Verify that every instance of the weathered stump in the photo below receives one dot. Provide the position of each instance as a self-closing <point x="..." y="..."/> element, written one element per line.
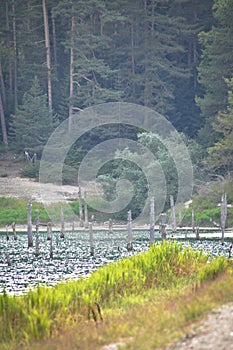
<point x="152" y="220"/>
<point x="193" y="220"/>
<point x="80" y="207"/>
<point x="162" y="227"/>
<point x="173" y="214"/>
<point x="86" y="223"/>
<point x="129" y="231"/>
<point x="37" y="233"/>
<point x="62" y="231"/>
<point x="91" y="240"/>
<point x="14" y="230"/>
<point x="223" y="215"/>
<point x="29" y="229"/>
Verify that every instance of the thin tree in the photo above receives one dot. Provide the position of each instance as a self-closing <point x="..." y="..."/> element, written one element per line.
<point x="48" y="53"/>
<point x="71" y="71"/>
<point x="3" y="124"/>
<point x="15" y="57"/>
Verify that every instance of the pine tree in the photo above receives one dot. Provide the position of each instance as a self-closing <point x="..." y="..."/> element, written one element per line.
<point x="32" y="123"/>
<point x="220" y="157"/>
<point x="216" y="65"/>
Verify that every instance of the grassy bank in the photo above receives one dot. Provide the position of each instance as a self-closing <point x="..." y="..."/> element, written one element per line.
<point x="14" y="209"/>
<point x="123" y="293"/>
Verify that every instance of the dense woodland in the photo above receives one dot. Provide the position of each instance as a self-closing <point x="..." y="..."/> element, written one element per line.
<point x="174" y="56"/>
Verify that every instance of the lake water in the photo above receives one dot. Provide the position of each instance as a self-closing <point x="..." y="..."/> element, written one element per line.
<point x="71" y="256"/>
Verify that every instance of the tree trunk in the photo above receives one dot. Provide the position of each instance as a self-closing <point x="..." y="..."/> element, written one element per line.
<point x="71" y="73"/>
<point x="15" y="58"/>
<point x="2" y="88"/>
<point x="3" y="124"/>
<point x="54" y="41"/>
<point x="8" y="44"/>
<point x="132" y="50"/>
<point x="48" y="54"/>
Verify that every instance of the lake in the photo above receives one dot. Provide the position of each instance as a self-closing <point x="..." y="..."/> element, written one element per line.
<point x="71" y="255"/>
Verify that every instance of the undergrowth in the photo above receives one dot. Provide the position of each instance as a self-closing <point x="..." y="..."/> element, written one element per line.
<point x="43" y="312"/>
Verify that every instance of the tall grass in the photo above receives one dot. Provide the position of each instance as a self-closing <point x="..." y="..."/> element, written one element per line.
<point x="43" y="311"/>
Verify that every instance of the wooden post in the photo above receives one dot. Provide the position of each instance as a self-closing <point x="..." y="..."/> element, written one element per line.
<point x="14" y="231"/>
<point x="8" y="260"/>
<point x="193" y="220"/>
<point x="62" y="232"/>
<point x="49" y="231"/>
<point x="173" y="214"/>
<point x="152" y="220"/>
<point x="37" y="232"/>
<point x="110" y="226"/>
<point x="57" y="240"/>
<point x="30" y="240"/>
<point x="180" y="218"/>
<point x="223" y="215"/>
<point x="80" y="207"/>
<point x="129" y="230"/>
<point x="197" y="233"/>
<point x="51" y="245"/>
<point x="7" y="234"/>
<point x="162" y="227"/>
<point x="91" y="236"/>
<point x="230" y="251"/>
<point x="85" y="211"/>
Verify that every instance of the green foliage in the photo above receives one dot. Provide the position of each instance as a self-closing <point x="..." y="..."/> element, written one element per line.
<point x="220" y="155"/>
<point x="129" y="165"/>
<point x="134" y="51"/>
<point x="31" y="170"/>
<point x="206" y="205"/>
<point x="32" y="123"/>
<point x="215" y="67"/>
<point x="15" y="210"/>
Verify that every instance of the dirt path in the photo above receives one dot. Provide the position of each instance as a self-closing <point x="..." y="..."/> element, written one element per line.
<point x="27" y="188"/>
<point x="215" y="333"/>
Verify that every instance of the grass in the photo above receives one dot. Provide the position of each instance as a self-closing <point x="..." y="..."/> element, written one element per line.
<point x="157" y="292"/>
<point x="14" y="209"/>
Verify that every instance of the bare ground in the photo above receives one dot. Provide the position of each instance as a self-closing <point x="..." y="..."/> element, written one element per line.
<point x="12" y="185"/>
<point x="215" y="333"/>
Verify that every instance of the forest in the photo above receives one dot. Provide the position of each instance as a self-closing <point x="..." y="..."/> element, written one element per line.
<point x="173" y="56"/>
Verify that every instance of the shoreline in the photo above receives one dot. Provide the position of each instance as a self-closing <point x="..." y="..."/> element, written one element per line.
<point x="181" y="232"/>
